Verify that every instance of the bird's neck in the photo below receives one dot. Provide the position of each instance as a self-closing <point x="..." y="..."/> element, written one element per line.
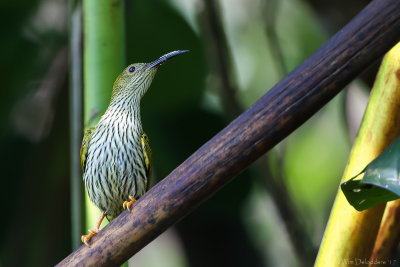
<point x="124" y="112"/>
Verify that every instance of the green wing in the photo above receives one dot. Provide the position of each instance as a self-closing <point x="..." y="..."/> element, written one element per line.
<point x="147" y="158"/>
<point x="85" y="146"/>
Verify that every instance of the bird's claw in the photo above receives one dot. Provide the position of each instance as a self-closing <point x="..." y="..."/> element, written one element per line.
<point x="128" y="204"/>
<point x="85" y="238"/>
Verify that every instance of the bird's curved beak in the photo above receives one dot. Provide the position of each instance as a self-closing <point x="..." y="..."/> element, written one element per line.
<point x="158" y="62"/>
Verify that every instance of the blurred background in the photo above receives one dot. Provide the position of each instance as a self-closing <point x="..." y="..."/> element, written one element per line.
<point x="272" y="214"/>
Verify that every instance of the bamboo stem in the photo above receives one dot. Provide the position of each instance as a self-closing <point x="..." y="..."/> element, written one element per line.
<point x="104" y="59"/>
<point x="76" y="125"/>
<point x="350" y="235"/>
<point x="388" y="82"/>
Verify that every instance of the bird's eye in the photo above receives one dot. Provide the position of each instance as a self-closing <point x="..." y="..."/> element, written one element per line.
<point x="131" y="69"/>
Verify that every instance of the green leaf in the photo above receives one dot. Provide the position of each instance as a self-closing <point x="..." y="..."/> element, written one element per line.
<point x="380" y="183"/>
<point x="363" y="196"/>
<point x="384" y="170"/>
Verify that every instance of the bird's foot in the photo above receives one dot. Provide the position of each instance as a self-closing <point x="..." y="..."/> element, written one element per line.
<point x="85" y="238"/>
<point x="128" y="204"/>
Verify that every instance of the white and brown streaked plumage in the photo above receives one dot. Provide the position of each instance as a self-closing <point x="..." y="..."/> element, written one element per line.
<point x="115" y="154"/>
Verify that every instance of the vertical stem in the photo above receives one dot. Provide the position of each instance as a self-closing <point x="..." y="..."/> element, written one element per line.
<point x="104" y="59"/>
<point x="388" y="236"/>
<point x="75" y="96"/>
<point x="271" y="8"/>
<point x="350" y="235"/>
<point x="219" y="49"/>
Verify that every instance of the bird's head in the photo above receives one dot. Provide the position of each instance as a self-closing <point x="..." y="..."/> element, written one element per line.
<point x="135" y="80"/>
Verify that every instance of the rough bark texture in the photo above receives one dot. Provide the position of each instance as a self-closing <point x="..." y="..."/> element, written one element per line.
<point x="278" y="113"/>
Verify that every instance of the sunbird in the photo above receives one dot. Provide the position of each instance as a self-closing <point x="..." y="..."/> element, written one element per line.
<point x="115" y="154"/>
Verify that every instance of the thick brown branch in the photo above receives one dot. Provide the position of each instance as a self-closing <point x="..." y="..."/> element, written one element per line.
<point x="284" y="108"/>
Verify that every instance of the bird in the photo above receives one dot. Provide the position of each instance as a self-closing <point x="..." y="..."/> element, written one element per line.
<point x="115" y="154"/>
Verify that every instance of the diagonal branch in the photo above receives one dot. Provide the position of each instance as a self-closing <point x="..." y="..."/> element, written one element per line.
<point x="278" y="113"/>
